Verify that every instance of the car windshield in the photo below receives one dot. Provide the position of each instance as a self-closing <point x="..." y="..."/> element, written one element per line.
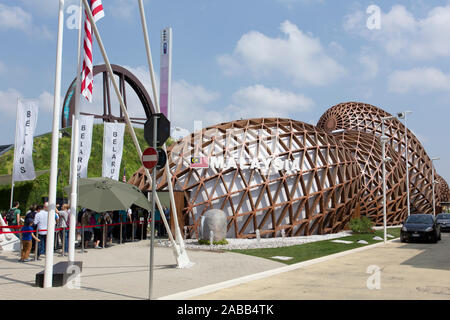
<point x="420" y="219"/>
<point x="443" y="216"/>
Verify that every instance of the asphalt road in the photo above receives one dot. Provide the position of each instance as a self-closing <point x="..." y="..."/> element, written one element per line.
<point x="392" y="271"/>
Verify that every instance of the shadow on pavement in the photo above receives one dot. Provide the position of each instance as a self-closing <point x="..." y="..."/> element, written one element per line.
<point x="28" y="283"/>
<point x="111" y="293"/>
<point x="433" y="255"/>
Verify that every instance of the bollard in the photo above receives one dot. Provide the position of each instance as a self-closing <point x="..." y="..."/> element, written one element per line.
<point x="36" y="244"/>
<point x="120" y="232"/>
<point x="63" y="241"/>
<point x="258" y="235"/>
<point x="21" y="244"/>
<point x="82" y="238"/>
<point x="55" y="247"/>
<point x="105" y="227"/>
<point x="282" y="235"/>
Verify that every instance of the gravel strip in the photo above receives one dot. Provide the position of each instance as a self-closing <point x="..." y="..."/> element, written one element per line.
<point x="254" y="243"/>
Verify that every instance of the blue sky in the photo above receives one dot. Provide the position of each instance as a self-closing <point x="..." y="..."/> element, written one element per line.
<point x="250" y="58"/>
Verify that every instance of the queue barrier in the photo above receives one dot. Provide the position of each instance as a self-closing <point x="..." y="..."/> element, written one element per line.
<point x="105" y="225"/>
<point x="60" y="229"/>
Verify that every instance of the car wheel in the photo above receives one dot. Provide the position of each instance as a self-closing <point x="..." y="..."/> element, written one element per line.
<point x="402" y="239"/>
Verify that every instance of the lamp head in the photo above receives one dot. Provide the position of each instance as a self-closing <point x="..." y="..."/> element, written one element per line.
<point x="402" y="115"/>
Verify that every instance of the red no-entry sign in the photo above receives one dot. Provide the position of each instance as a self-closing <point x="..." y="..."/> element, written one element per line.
<point x="150" y="158"/>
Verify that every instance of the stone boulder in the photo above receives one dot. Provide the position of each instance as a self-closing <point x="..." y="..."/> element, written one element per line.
<point x="214" y="220"/>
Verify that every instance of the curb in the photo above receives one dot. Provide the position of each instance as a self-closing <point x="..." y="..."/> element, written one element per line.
<point x="230" y="283"/>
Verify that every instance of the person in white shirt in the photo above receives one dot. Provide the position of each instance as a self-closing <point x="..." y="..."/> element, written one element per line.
<point x="40" y="220"/>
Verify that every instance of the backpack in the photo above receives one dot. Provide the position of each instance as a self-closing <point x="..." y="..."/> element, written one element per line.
<point x="10" y="216"/>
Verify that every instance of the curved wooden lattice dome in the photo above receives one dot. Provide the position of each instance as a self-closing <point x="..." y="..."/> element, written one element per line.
<point x="367" y="118"/>
<point x="366" y="148"/>
<point x="317" y="198"/>
<point x="442" y="191"/>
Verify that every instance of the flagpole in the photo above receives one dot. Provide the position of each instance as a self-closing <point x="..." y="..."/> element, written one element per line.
<point x="14" y="155"/>
<point x="179" y="237"/>
<point x="48" y="272"/>
<point x="176" y="248"/>
<point x="75" y="147"/>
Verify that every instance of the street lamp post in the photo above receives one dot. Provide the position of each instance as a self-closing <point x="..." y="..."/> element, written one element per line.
<point x="384" y="139"/>
<point x="432" y="184"/>
<point x="402" y="115"/>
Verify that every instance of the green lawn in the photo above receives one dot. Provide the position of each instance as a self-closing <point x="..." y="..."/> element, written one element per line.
<point x="308" y="251"/>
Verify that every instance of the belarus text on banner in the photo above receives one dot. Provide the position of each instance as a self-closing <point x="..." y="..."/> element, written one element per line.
<point x="27" y="113"/>
<point x="112" y="149"/>
<point x="86" y="125"/>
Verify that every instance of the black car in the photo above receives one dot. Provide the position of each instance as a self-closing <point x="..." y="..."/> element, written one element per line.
<point x="443" y="220"/>
<point x="420" y="227"/>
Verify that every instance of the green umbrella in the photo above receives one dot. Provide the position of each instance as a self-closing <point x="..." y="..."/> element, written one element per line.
<point x="105" y="194"/>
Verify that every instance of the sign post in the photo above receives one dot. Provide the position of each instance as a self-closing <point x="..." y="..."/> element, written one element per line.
<point x="152" y="243"/>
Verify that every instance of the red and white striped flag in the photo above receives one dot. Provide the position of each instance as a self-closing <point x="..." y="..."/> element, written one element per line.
<point x="87" y="76"/>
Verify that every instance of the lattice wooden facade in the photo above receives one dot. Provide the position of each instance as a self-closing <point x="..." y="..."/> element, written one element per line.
<point x="318" y="198"/>
<point x="366" y="148"/>
<point x="442" y="192"/>
<point x="367" y="118"/>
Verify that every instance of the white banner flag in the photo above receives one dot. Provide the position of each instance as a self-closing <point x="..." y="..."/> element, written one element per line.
<point x="86" y="125"/>
<point x="27" y="113"/>
<point x="112" y="149"/>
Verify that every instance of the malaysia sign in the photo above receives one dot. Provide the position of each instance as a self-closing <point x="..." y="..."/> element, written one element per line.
<point x="271" y="164"/>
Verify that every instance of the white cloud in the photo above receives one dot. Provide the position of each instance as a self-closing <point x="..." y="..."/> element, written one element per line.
<point x="122" y="9"/>
<point x="422" y="80"/>
<point x="8" y="102"/>
<point x="46" y="101"/>
<point x="192" y="102"/>
<point x="369" y="63"/>
<point x="259" y="101"/>
<point x="46" y="8"/>
<point x="298" y="56"/>
<point x="404" y="35"/>
<point x="15" y="18"/>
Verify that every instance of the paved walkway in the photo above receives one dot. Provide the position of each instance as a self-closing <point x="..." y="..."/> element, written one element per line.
<point x="122" y="272"/>
<point x="407" y="271"/>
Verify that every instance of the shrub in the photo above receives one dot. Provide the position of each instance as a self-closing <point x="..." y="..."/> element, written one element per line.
<point x="206" y="242"/>
<point x="361" y="225"/>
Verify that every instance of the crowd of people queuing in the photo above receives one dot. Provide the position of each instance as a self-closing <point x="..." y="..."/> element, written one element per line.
<point x="94" y="229"/>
